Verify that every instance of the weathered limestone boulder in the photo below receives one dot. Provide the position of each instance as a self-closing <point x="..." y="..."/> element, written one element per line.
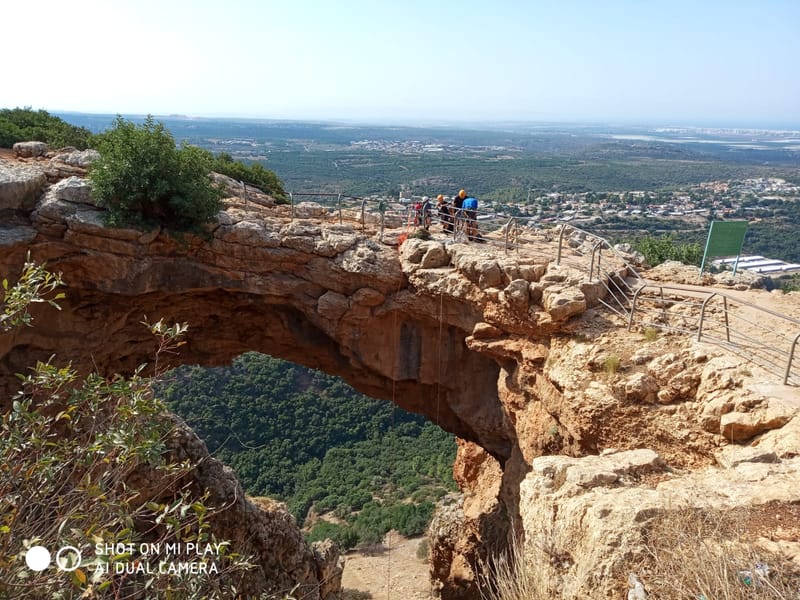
<point x="562" y="302"/>
<point x="72" y="189"/>
<point x="476" y="266"/>
<point x="78" y="158"/>
<point x="732" y="456"/>
<point x="584" y="519"/>
<point x="20" y="186"/>
<point x="422" y="254"/>
<point x="329" y="569"/>
<point x="518" y="296"/>
<point x="30" y="149"/>
<point x="640" y="387"/>
<point x="309" y="210"/>
<point x="332" y="305"/>
<point x="630" y="255"/>
<point x="738" y="425"/>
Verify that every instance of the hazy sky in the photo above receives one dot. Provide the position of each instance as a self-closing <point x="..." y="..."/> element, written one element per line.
<point x="667" y="61"/>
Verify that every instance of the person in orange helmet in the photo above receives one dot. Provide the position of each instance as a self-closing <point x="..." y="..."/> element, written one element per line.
<point x="458" y="214"/>
<point x="445" y="215"/>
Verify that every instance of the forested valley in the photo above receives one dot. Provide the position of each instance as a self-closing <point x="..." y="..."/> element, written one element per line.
<point x="349" y="467"/>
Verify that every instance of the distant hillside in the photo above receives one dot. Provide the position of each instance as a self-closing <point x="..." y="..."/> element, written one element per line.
<point x="310" y="440"/>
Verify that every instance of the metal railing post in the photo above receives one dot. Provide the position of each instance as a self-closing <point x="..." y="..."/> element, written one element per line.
<point x="727" y="325"/>
<point x="339" y="202"/>
<point x="560" y="238"/>
<point x="508" y="231"/>
<point x="789" y="361"/>
<point x="591" y="267"/>
<point x="291" y="201"/>
<point x="363" y="221"/>
<point x="633" y="305"/>
<point x="702" y="316"/>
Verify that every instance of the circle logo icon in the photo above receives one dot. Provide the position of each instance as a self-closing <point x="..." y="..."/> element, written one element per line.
<point x="68" y="558"/>
<point x="37" y="558"/>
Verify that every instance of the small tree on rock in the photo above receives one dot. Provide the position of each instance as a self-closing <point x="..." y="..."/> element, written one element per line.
<point x="144" y="179"/>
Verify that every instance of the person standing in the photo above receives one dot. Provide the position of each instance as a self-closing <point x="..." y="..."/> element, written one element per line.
<point x="445" y="218"/>
<point x="458" y="201"/>
<point x="470" y="208"/>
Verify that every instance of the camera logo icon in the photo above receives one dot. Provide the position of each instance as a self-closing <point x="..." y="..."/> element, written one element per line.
<point x="38" y="558"/>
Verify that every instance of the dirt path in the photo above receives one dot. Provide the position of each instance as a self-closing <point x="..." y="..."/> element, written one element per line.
<point x="395" y="573"/>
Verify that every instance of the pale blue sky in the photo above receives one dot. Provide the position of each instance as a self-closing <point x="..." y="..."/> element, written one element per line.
<point x="672" y="61"/>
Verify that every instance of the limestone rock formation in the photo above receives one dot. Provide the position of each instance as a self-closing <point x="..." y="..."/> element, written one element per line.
<point x="283" y="560"/>
<point x="571" y="427"/>
<point x="29" y="149"/>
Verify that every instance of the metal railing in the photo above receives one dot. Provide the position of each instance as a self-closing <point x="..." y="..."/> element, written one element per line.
<point x="763" y="336"/>
<point x="578" y="249"/>
<point x="621" y="288"/>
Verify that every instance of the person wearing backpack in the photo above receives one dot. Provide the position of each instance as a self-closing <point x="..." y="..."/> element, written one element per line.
<point x="470" y="208"/>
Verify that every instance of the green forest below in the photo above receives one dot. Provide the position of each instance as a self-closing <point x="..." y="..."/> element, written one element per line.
<point x="310" y="440"/>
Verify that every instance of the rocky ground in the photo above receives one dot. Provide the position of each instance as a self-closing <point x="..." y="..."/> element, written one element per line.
<point x="393" y="570"/>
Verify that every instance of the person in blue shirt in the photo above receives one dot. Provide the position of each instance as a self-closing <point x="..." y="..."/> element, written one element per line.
<point x="470" y="208"/>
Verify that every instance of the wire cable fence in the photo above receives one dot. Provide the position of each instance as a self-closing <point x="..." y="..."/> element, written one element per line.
<point x="770" y="339"/>
<point x="755" y="333"/>
<point x="576" y="248"/>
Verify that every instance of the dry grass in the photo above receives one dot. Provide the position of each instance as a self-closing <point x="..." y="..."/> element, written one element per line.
<point x="512" y="575"/>
<point x="689" y="555"/>
<point x="693" y="555"/>
<point x="611" y="364"/>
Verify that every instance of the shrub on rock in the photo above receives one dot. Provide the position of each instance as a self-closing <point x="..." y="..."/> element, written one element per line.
<point x="142" y="178"/>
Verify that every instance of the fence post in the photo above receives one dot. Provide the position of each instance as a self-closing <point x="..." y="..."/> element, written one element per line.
<point x="727" y="325"/>
<point x="382" y="205"/>
<point x="633" y="305"/>
<point x="594" y="251"/>
<point x="702" y="316"/>
<point x="244" y="193"/>
<point x="560" y="238"/>
<point x="363" y="207"/>
<point x="291" y="201"/>
<point x="339" y="202"/>
<point x="789" y="361"/>
<point x="508" y="230"/>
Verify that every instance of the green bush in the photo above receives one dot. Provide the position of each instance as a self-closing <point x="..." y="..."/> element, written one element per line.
<point x="657" y="250"/>
<point x="143" y="179"/>
<point x="254" y="174"/>
<point x="69" y="452"/>
<point x="344" y="535"/>
<point x="24" y="124"/>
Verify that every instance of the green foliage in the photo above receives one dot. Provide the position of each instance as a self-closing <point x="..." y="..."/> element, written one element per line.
<point x="790" y="284"/>
<point x="143" y="179"/>
<point x="310" y="440"/>
<point x="611" y="364"/>
<point x="24" y="124"/>
<point x="34" y="285"/>
<point x="651" y="334"/>
<point x="70" y="454"/>
<point x="254" y="174"/>
<point x="374" y="521"/>
<point x="657" y="250"/>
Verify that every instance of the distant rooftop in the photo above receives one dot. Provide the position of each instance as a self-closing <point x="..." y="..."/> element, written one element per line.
<point x="760" y="264"/>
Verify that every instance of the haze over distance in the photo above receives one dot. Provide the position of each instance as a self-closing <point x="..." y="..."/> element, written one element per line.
<point x="718" y="63"/>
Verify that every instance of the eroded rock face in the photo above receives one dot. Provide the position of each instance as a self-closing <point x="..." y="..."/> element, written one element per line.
<point x="20" y="186"/>
<point x="266" y="531"/>
<point x="511" y="353"/>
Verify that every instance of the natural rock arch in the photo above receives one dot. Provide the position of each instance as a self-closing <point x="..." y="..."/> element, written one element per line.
<point x="504" y="351"/>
